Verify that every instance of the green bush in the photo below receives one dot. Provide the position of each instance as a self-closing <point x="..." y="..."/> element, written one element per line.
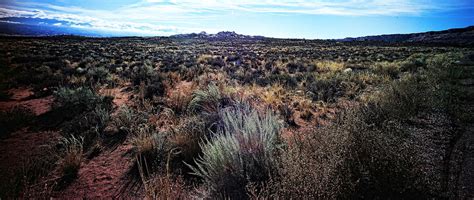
<point x="244" y="150"/>
<point x="79" y="98"/>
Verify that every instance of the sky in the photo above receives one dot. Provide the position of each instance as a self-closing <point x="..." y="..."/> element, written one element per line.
<point x="310" y="19"/>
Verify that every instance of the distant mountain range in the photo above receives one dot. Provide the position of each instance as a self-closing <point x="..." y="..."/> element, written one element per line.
<point x="12" y="26"/>
<point x="461" y="36"/>
<point x="220" y="35"/>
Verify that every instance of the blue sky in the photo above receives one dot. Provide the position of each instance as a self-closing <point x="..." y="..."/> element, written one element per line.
<point x="317" y="19"/>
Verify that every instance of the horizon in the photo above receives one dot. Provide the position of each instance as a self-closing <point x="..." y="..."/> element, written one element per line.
<point x="298" y="19"/>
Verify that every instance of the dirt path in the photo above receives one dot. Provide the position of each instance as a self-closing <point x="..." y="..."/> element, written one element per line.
<point x="461" y="160"/>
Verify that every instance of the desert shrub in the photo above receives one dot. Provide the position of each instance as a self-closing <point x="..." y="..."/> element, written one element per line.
<point x="20" y="181"/>
<point x="155" y="87"/>
<point x="329" y="66"/>
<point x="329" y="88"/>
<point x="294" y="67"/>
<point x="352" y="158"/>
<point x="81" y="98"/>
<point x="371" y="151"/>
<point x="128" y="118"/>
<point x="4" y="94"/>
<point x="98" y="74"/>
<point x="165" y="187"/>
<point x="39" y="77"/>
<point x="244" y="150"/>
<point x="13" y="119"/>
<point x="70" y="157"/>
<point x="85" y="112"/>
<point x="387" y="68"/>
<point x="402" y="99"/>
<point x="178" y="100"/>
<point x="413" y="63"/>
<point x="153" y="81"/>
<point x="89" y="125"/>
<point x="283" y="79"/>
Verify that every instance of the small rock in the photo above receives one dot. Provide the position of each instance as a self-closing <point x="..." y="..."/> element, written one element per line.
<point x="348" y="70"/>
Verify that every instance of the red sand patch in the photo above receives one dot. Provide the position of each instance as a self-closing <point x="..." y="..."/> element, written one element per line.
<point x="37" y="106"/>
<point x="19" y="94"/>
<point x="21" y="145"/>
<point x="101" y="177"/>
<point x="120" y="97"/>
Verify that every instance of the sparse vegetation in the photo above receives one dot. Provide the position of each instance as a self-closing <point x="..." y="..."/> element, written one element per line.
<point x="240" y="119"/>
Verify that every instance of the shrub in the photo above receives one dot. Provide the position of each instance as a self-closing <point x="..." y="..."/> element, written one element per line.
<point x="178" y="100"/>
<point x="242" y="151"/>
<point x="165" y="187"/>
<point x="80" y="99"/>
<point x="282" y="79"/>
<point x="153" y="81"/>
<point x="413" y="63"/>
<point x="98" y="74"/>
<point x="352" y="158"/>
<point x="87" y="112"/>
<point x="374" y="150"/>
<point x="386" y="68"/>
<point x="330" y="87"/>
<point x="127" y="119"/>
<point x="329" y="66"/>
<point x="24" y="180"/>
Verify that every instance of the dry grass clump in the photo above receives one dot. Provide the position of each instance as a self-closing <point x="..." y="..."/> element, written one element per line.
<point x="71" y="157"/>
<point x="187" y="136"/>
<point x="329" y="66"/>
<point x="391" y="69"/>
<point x="273" y="96"/>
<point x="145" y="140"/>
<point x="178" y="98"/>
<point x="165" y="187"/>
<point x="330" y="87"/>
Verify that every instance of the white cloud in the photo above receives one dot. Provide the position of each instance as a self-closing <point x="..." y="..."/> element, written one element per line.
<point x="131" y="18"/>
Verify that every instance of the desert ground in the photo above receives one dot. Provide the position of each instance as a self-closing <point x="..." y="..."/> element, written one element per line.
<point x="177" y="118"/>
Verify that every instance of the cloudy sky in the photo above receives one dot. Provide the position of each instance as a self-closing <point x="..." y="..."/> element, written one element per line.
<point x="274" y="18"/>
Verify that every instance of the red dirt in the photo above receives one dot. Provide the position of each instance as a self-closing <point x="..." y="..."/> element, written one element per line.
<point x="100" y="178"/>
<point x="120" y="97"/>
<point x="22" y="145"/>
<point x="20" y="98"/>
